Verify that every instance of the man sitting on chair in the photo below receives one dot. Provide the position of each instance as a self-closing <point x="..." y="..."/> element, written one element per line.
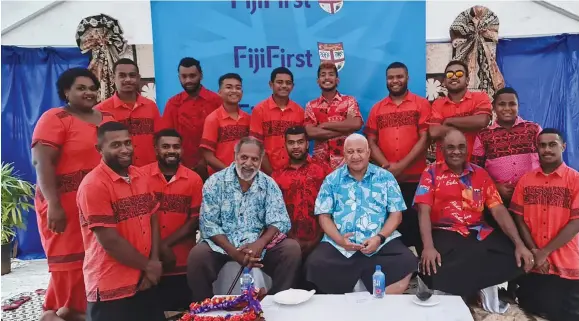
<point x="359" y="206"/>
<point x="241" y="214"/>
<point x="462" y="254"/>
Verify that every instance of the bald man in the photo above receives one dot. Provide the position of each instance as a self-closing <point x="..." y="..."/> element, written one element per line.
<point x="359" y="207"/>
<point x="462" y="253"/>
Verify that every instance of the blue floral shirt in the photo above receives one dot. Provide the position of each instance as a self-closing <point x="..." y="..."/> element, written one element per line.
<point x="242" y="217"/>
<point x="359" y="207"/>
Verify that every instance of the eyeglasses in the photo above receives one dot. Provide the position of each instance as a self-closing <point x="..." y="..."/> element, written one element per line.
<point x="458" y="74"/>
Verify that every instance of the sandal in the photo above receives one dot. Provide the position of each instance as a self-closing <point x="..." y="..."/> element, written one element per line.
<point x="15" y="303"/>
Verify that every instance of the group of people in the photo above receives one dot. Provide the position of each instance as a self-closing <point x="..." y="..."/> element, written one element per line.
<point x="122" y="192"/>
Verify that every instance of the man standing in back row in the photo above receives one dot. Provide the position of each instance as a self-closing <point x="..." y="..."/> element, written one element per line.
<point x="397" y="134"/>
<point x="129" y="107"/>
<point x="273" y="116"/>
<point x="331" y="117"/>
<point x="186" y="112"/>
<point x="464" y="110"/>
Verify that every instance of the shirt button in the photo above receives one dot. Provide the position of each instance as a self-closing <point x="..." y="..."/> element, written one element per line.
<point x="514" y="163"/>
<point x="164" y="226"/>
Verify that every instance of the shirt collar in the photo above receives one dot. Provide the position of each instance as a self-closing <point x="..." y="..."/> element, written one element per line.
<point x="408" y="97"/>
<point x="117" y="102"/>
<point x="224" y="115"/>
<point x="337" y="97"/>
<point x="203" y="93"/>
<point x="308" y="161"/>
<point x="371" y="170"/>
<point x="560" y="171"/>
<point x="467" y="95"/>
<point x="113" y="175"/>
<point x="231" y="176"/>
<point x="272" y="105"/>
<point x="518" y="121"/>
<point x="181" y="171"/>
<point x="468" y="168"/>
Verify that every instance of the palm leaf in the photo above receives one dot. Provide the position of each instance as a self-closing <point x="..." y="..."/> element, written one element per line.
<point x="17" y="195"/>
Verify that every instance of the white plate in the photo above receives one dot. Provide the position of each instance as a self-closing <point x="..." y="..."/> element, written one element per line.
<point x="293" y="296"/>
<point x="434" y="300"/>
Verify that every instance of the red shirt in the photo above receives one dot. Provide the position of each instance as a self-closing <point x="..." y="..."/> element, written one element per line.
<point x="269" y="123"/>
<point x="548" y="202"/>
<point x="180" y="201"/>
<point x="300" y="187"/>
<point x="105" y="199"/>
<point x="187" y="114"/>
<point x="319" y="111"/>
<point x="397" y="129"/>
<point x="142" y="119"/>
<point x="457" y="201"/>
<point x="473" y="103"/>
<point x="221" y="133"/>
<point x="75" y="140"/>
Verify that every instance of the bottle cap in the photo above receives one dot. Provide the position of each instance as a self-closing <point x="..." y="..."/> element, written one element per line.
<point x="378" y="268"/>
<point x="245" y="270"/>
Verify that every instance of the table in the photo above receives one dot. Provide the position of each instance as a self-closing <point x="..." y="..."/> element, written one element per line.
<point x="356" y="307"/>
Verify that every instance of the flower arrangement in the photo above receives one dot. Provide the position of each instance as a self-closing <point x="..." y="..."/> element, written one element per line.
<point x="249" y="300"/>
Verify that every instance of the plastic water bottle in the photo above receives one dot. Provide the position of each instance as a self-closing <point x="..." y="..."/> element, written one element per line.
<point x="246" y="280"/>
<point x="379" y="283"/>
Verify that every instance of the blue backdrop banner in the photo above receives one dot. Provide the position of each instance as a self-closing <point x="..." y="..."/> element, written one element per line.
<point x="545" y="73"/>
<point x="253" y="37"/>
<point x="29" y="89"/>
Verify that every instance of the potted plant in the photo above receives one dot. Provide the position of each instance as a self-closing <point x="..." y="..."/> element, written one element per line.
<point x="17" y="197"/>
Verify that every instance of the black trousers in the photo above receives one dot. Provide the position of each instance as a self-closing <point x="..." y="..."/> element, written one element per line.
<point x="409" y="226"/>
<point x="143" y="306"/>
<point x="555" y="298"/>
<point x="173" y="293"/>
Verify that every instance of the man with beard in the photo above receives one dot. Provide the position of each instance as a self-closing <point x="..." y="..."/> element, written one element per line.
<point x="397" y="134"/>
<point x="186" y="112"/>
<point x="120" y="234"/>
<point x="225" y="126"/>
<point x="273" y="116"/>
<point x="359" y="207"/>
<point x="300" y="181"/>
<point x="138" y="113"/>
<point x="331" y="117"/>
<point x="178" y="190"/>
<point x="461" y="253"/>
<point x="464" y="110"/>
<point x="241" y="213"/>
<point x="546" y="204"/>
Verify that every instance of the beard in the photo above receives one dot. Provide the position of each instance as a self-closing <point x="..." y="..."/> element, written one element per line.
<point x="401" y="92"/>
<point x="243" y="176"/>
<point x="171" y="164"/>
<point x="195" y="88"/>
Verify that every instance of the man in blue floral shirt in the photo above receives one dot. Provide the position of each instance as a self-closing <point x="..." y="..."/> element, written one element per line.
<point x="242" y="215"/>
<point x="359" y="207"/>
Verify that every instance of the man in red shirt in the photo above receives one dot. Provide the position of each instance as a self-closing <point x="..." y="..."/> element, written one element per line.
<point x="331" y="117"/>
<point x="546" y="204"/>
<point x="397" y="135"/>
<point x="225" y="126"/>
<point x="300" y="181"/>
<point x="273" y="116"/>
<point x="464" y="110"/>
<point x="186" y="112"/>
<point x="120" y="234"/>
<point x="462" y="254"/>
<point x="178" y="190"/>
<point x="138" y="113"/>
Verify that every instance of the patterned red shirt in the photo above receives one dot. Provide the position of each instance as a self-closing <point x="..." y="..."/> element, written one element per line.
<point x="506" y="154"/>
<point x="300" y="188"/>
<point x="319" y="111"/>
<point x="457" y="201"/>
<point x="548" y="202"/>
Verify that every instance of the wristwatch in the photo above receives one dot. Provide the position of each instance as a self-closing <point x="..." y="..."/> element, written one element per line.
<point x="382" y="238"/>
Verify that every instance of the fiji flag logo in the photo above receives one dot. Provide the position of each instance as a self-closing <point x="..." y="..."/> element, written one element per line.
<point x="331" y="6"/>
<point x="332" y="52"/>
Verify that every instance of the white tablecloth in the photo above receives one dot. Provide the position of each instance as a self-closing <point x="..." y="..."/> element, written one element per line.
<point x="356" y="308"/>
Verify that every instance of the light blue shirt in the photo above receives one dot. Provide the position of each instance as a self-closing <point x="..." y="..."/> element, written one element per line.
<point x="242" y="217"/>
<point x="359" y="207"/>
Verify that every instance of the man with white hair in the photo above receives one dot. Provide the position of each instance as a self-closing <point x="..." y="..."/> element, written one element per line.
<point x="359" y="207"/>
<point x="242" y="215"/>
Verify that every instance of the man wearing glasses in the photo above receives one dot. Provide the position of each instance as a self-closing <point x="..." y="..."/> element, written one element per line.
<point x="464" y="110"/>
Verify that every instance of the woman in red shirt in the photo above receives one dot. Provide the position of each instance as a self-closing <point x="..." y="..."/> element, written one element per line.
<point x="63" y="152"/>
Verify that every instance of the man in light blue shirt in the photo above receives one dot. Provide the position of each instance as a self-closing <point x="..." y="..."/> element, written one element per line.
<point x="359" y="207"/>
<point x="243" y="218"/>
